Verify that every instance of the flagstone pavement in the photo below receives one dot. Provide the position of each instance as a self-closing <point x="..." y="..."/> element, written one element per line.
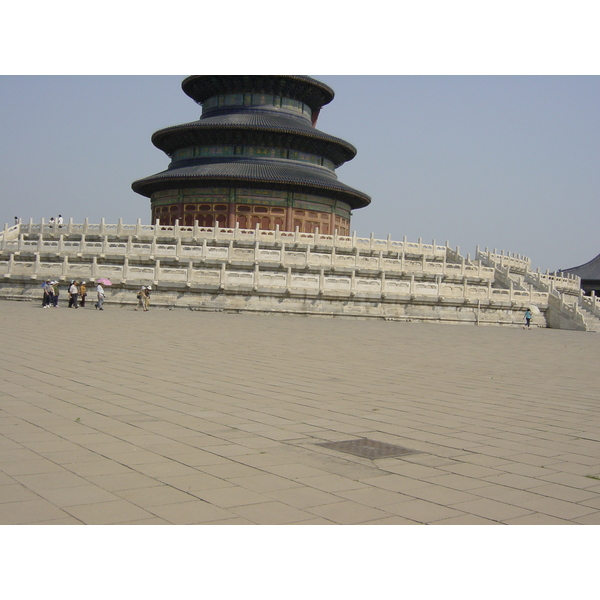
<point x="188" y="417"/>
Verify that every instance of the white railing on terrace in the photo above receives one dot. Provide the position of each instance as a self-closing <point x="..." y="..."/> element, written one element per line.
<point x="196" y="232"/>
<point x="515" y="262"/>
<point x="191" y="275"/>
<point x="592" y="304"/>
<point x="280" y="256"/>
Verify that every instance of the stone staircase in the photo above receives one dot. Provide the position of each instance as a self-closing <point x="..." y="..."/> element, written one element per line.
<point x="568" y="307"/>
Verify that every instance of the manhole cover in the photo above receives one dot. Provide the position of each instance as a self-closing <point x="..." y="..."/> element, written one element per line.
<point x="368" y="448"/>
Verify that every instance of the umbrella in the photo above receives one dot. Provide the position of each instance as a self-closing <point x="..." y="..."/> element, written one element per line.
<point x="534" y="309"/>
<point x="105" y="281"/>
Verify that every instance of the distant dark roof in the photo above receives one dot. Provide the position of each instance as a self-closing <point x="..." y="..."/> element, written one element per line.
<point x="589" y="270"/>
<point x="258" y="172"/>
<point x="242" y="125"/>
<point x="299" y="87"/>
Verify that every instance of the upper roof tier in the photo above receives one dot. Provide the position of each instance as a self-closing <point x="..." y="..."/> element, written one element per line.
<point x="299" y="87"/>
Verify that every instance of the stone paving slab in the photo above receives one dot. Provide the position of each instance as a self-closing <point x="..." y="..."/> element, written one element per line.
<point x="187" y="417"/>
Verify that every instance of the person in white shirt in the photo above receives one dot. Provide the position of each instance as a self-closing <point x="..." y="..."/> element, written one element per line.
<point x="73" y="291"/>
<point x="100" y="291"/>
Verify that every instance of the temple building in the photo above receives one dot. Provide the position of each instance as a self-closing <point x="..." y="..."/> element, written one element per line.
<point x="589" y="274"/>
<point x="254" y="158"/>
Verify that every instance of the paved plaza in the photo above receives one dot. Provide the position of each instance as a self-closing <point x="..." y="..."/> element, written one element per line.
<point x="188" y="417"/>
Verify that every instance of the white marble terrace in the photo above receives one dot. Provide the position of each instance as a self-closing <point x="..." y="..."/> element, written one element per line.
<point x="380" y="277"/>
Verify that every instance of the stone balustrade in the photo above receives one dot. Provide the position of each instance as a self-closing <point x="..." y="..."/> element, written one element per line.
<point x="516" y="263"/>
<point x="591" y="303"/>
<point x="192" y="275"/>
<point x="283" y="256"/>
<point x="176" y="232"/>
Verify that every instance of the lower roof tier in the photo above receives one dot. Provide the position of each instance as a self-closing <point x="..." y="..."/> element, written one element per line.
<point x="267" y="173"/>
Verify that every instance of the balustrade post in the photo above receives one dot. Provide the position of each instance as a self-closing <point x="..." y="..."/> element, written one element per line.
<point x="36" y="265"/>
<point x="119" y="227"/>
<point x="282" y="254"/>
<point x="190" y="273"/>
<point x="102" y="226"/>
<point x="94" y="268"/>
<point x="156" y="271"/>
<point x="256" y="277"/>
<point x="222" y="276"/>
<point x="138" y="228"/>
<point x="196" y="232"/>
<point x="65" y="266"/>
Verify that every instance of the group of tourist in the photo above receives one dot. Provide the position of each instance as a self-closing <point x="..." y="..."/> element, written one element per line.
<point x="77" y="294"/>
<point x="58" y="221"/>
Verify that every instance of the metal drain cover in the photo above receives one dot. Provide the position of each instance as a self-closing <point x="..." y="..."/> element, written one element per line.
<point x="369" y="448"/>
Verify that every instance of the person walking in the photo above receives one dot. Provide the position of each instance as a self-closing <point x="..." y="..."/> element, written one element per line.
<point x="55" y="293"/>
<point x="527" y="319"/>
<point x="82" y="294"/>
<point x="73" y="292"/>
<point x="140" y="297"/>
<point x="147" y="298"/>
<point x="100" y="292"/>
<point x="47" y="300"/>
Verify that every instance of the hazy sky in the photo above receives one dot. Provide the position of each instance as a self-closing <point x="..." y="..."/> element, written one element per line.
<point x="507" y="162"/>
